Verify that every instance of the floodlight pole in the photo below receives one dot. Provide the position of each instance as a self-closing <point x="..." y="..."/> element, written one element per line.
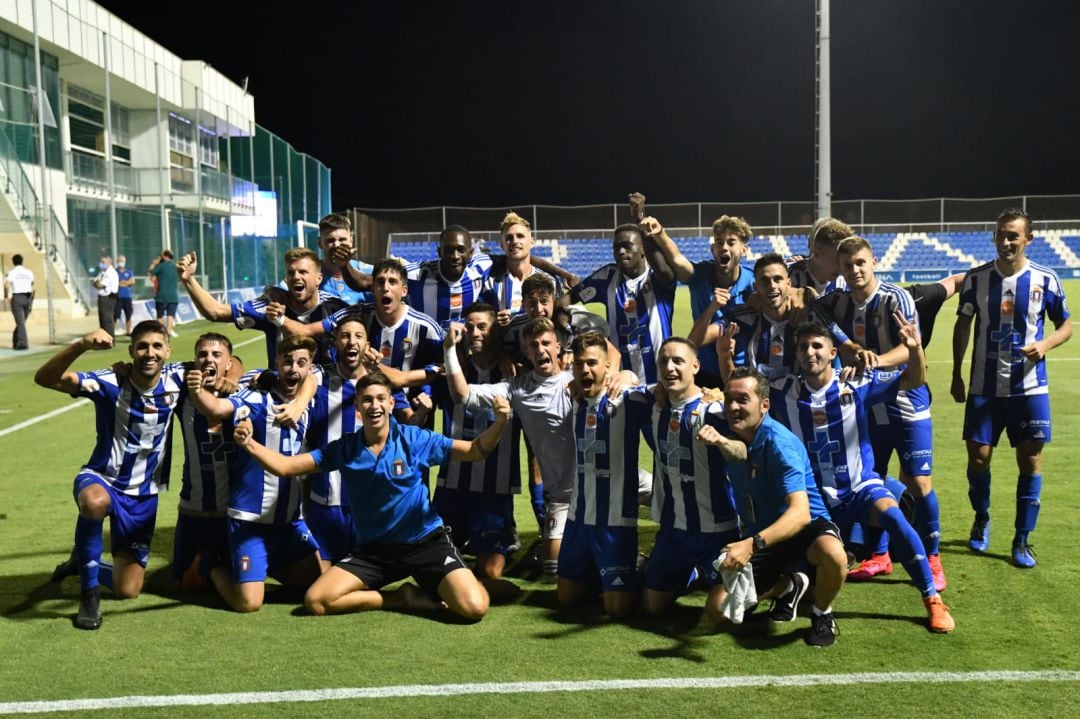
<point x="822" y="114"/>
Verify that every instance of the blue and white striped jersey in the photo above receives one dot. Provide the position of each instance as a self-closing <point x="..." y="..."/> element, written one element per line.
<point x="872" y="326"/>
<point x="801" y="276"/>
<point x="133" y="449"/>
<point x="1010" y="313"/>
<point x="414" y="342"/>
<point x="256" y="495"/>
<point x="443" y="300"/>
<point x="606" y="491"/>
<point x="832" y="423"/>
<point x="332" y="414"/>
<point x="500" y="473"/>
<point x="639" y="312"/>
<point x="252" y="315"/>
<point x="506" y="289"/>
<point x="208" y="458"/>
<point x="690" y="483"/>
<point x="767" y="346"/>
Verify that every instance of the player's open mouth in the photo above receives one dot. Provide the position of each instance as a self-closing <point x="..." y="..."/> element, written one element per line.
<point x="209" y="370"/>
<point x="587" y="382"/>
<point x="291" y="381"/>
<point x="352" y="353"/>
<point x="299" y="288"/>
<point x="386" y="300"/>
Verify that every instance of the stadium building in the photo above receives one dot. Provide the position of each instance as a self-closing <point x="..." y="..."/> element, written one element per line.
<point x="131" y="149"/>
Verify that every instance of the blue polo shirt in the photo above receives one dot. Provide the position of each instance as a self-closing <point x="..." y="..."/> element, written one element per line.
<point x="387" y="494"/>
<point x="777" y="465"/>
<point x="701" y="295"/>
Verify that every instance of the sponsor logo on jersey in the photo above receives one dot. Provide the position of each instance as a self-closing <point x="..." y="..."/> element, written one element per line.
<point x="777" y="347"/>
<point x="245" y="564"/>
<point x="448" y="560"/>
<point x="455" y="301"/>
<point x="820" y="418"/>
<point x="925" y="467"/>
<point x="590" y="420"/>
<point x="587" y="294"/>
<point x="630" y="307"/>
<point x="617" y="582"/>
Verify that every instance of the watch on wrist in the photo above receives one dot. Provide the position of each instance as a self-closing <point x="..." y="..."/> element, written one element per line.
<point x="759" y="543"/>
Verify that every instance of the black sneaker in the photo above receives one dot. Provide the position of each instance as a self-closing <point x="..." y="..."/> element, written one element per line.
<point x="89" y="609"/>
<point x="823" y="630"/>
<point x="67" y="568"/>
<point x="786" y="607"/>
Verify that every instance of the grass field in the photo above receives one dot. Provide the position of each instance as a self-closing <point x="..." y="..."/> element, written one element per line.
<point x="166" y="644"/>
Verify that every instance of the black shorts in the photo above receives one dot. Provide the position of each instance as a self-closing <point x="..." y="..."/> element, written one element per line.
<point x="775" y="561"/>
<point x="928" y="298"/>
<point x="427" y="561"/>
<point x="123" y="307"/>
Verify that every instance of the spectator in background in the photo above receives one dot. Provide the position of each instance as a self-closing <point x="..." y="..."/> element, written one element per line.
<point x="167" y="291"/>
<point x="124" y="295"/>
<point x="19" y="289"/>
<point x="107" y="284"/>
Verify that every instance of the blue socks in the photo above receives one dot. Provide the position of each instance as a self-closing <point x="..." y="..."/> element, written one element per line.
<point x="907" y="549"/>
<point x="1028" y="490"/>
<point x="928" y="521"/>
<point x="979" y="493"/>
<point x="88" y="544"/>
<point x="536" y="491"/>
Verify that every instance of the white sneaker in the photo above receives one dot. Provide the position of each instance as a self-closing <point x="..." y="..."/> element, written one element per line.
<point x="172" y="333"/>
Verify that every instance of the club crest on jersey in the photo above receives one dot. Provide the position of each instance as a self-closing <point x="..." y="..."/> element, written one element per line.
<point x="398" y="468"/>
<point x="1036" y="295"/>
<point x="587" y="294"/>
<point x="245" y="564"/>
<point x="847" y="397"/>
<point x="386" y="350"/>
<point x="406" y="344"/>
<point x="695" y="420"/>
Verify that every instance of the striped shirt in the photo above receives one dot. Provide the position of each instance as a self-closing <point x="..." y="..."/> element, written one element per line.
<point x="413" y="342"/>
<point x="761" y="343"/>
<point x="444" y="300"/>
<point x="606" y="491"/>
<point x="332" y="414"/>
<point x="832" y="423"/>
<point x="801" y="276"/>
<point x="506" y="289"/>
<point x="690" y="483"/>
<point x="256" y="495"/>
<point x="639" y="313"/>
<point x="872" y="326"/>
<point x="252" y="315"/>
<point x="133" y="450"/>
<point x="1010" y="313"/>
<point x="500" y="473"/>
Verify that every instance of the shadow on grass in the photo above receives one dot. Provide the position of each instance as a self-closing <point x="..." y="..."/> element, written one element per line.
<point x="960" y="546"/>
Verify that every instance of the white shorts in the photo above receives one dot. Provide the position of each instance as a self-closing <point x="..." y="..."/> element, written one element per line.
<point x="555" y="514"/>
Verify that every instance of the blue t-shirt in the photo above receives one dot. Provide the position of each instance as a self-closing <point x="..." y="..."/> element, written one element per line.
<point x="387" y="494"/>
<point x="777" y="465"/>
<point x="701" y="295"/>
<point x="124" y="274"/>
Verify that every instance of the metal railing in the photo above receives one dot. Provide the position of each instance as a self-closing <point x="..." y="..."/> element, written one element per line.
<point x="17" y="185"/>
<point x="69" y="266"/>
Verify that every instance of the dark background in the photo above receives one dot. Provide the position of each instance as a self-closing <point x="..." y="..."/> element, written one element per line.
<point x="573" y="102"/>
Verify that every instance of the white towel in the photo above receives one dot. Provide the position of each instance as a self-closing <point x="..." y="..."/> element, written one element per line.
<point x="741" y="592"/>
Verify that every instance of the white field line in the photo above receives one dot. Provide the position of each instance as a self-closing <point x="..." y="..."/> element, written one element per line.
<point x="81" y="403"/>
<point x="445" y="690"/>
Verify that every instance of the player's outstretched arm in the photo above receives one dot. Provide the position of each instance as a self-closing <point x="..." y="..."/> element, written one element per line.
<point x="455" y="376"/>
<point x="676" y="260"/>
<point x="960" y="336"/>
<point x="207" y="306"/>
<point x="210" y="406"/>
<point x="545" y="265"/>
<point x="54" y="374"/>
<point x="270" y="460"/>
<point x="479" y="448"/>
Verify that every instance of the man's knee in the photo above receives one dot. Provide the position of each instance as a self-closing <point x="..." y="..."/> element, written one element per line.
<point x="94" y="502"/>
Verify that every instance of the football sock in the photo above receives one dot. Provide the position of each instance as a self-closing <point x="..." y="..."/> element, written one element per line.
<point x="928" y="521"/>
<point x="979" y="493"/>
<point x="878" y="540"/>
<point x="1028" y="490"/>
<point x="536" y="491"/>
<point x="88" y="550"/>
<point x="907" y="549"/>
<point x="105" y="577"/>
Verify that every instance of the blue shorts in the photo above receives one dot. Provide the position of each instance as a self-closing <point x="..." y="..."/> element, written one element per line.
<point x="332" y="528"/>
<point x="677" y="551"/>
<point x="123" y="306"/>
<point x="195" y="535"/>
<point x="913" y="442"/>
<point x="609" y="554"/>
<point x="1025" y="419"/>
<point x="486" y="520"/>
<point x="857" y="507"/>
<point x="131" y="518"/>
<point x="162" y="309"/>
<point x="261" y="549"/>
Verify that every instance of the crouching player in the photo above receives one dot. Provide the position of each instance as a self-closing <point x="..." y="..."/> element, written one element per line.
<point x="130" y="463"/>
<point x="267" y="535"/>
<point x="830" y="416"/>
<point x="782" y="512"/>
<point x="396" y="532"/>
<point x="600" y="542"/>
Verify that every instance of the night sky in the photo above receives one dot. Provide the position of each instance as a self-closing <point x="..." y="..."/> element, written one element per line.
<point x="575" y="102"/>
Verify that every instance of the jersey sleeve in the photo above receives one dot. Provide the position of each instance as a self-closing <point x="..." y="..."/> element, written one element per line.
<point x="248" y="404"/>
<point x="481" y="395"/>
<point x="250" y="314"/>
<point x="428" y="448"/>
<point x="1057" y="309"/>
<point x="101" y="384"/>
<point x="789" y="463"/>
<point x="334" y="455"/>
<point x="967" y="305"/>
<point x="880" y="386"/>
<point x="592" y="288"/>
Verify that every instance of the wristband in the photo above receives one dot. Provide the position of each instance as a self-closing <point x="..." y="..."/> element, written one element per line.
<point x="453" y="364"/>
<point x="279" y="321"/>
